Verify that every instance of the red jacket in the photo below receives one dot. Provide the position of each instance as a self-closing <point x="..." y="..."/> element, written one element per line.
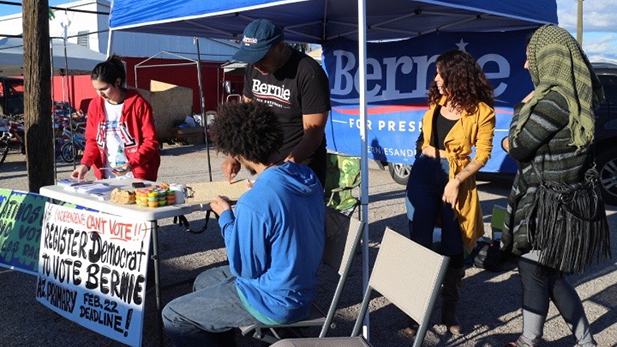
<point x="140" y="144"/>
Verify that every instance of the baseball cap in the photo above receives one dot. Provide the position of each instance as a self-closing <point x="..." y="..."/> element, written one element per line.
<point x="259" y="36"/>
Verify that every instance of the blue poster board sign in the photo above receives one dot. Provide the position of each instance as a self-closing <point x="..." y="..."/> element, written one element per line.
<point x="399" y="74"/>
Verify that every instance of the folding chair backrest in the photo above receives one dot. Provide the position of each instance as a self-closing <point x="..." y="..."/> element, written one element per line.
<point x="408" y="275"/>
<point x="342" y="237"/>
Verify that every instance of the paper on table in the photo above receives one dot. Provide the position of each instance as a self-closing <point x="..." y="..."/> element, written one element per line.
<point x="72" y="181"/>
<point x="206" y="192"/>
<point x="94" y="188"/>
<point x="75" y="186"/>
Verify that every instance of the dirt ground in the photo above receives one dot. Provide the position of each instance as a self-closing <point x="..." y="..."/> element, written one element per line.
<point x="490" y="305"/>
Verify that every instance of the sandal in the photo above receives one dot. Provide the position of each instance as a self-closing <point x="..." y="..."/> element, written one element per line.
<point x="518" y="343"/>
<point x="410" y="331"/>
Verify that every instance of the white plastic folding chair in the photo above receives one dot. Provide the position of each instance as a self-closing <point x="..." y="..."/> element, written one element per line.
<point x="342" y="237"/>
<point x="406" y="274"/>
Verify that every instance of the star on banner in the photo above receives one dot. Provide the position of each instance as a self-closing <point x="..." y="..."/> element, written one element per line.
<point x="461" y="45"/>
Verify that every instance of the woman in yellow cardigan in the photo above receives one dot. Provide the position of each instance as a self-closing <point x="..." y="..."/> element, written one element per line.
<point x="442" y="185"/>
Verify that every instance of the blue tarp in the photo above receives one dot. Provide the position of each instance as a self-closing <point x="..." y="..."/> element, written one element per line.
<point x="330" y="22"/>
<point x="317" y="21"/>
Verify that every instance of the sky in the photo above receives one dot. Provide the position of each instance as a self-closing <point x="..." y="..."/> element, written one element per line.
<point x="599" y="24"/>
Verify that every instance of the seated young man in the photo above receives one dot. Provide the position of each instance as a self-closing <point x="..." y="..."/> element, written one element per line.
<point x="274" y="239"/>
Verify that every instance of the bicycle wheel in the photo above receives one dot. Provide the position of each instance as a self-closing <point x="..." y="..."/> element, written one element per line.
<point x="4" y="150"/>
<point x="67" y="152"/>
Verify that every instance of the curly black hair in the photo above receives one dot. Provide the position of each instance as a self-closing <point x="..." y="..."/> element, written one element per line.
<point x="250" y="130"/>
<point x="464" y="82"/>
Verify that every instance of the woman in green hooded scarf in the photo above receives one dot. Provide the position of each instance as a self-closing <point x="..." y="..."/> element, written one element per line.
<point x="553" y="130"/>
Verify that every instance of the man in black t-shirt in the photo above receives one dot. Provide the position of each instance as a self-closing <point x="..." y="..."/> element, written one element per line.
<point x="297" y="89"/>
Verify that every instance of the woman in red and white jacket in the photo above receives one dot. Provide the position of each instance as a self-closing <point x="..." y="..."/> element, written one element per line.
<point x="120" y="131"/>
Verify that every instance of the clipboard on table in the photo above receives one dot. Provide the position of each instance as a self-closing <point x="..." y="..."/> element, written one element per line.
<point x="206" y="192"/>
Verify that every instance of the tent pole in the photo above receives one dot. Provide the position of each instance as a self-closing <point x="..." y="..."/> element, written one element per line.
<point x="364" y="154"/>
<point x="68" y="92"/>
<point x="222" y="94"/>
<point x="135" y="73"/>
<point x="109" y="42"/>
<point x="203" y="106"/>
<point x="53" y="111"/>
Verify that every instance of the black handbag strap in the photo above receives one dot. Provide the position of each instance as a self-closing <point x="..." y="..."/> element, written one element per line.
<point x="538" y="174"/>
<point x="591" y="175"/>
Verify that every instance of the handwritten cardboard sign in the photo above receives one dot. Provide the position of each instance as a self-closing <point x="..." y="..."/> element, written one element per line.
<point x="20" y="229"/>
<point x="92" y="270"/>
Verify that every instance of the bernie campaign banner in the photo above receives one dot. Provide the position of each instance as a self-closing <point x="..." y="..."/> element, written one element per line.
<point x="92" y="270"/>
<point x="20" y="230"/>
<point x="399" y="74"/>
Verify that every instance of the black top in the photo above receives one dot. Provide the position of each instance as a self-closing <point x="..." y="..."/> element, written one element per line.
<point x="299" y="87"/>
<point x="441" y="128"/>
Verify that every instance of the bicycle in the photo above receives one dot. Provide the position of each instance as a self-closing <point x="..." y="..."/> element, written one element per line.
<point x="5" y="144"/>
<point x="12" y="132"/>
<point x="70" y="149"/>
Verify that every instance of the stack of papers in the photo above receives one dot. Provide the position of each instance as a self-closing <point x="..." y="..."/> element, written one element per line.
<point x="94" y="188"/>
<point x="72" y="187"/>
<point x="70" y="182"/>
<point x="102" y="191"/>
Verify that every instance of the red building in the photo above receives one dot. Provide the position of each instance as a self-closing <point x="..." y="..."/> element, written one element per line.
<point x="80" y="90"/>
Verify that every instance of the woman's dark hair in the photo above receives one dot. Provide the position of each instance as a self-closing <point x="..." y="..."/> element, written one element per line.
<point x="109" y="71"/>
<point x="464" y="82"/>
<point x="250" y="130"/>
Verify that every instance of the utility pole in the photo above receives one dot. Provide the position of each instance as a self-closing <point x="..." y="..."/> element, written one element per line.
<point x="37" y="94"/>
<point x="579" y="23"/>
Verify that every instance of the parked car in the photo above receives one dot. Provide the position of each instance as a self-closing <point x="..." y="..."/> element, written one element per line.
<point x="606" y="132"/>
<point x="605" y="139"/>
<point x="11" y="96"/>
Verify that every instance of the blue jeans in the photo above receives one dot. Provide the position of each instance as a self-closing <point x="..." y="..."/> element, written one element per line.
<point x="207" y="316"/>
<point x="538" y="289"/>
<point x="427" y="181"/>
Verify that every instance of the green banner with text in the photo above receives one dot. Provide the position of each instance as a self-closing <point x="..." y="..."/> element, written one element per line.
<point x="21" y="215"/>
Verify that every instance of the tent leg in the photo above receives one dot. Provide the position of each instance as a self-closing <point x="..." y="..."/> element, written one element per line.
<point x="68" y="92"/>
<point x="203" y="106"/>
<point x="364" y="153"/>
<point x="109" y="42"/>
<point x="53" y="113"/>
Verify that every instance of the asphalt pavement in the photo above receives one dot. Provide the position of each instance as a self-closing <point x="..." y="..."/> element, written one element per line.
<point x="490" y="305"/>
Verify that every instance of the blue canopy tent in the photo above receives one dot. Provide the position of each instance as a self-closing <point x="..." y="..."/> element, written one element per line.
<point x="318" y="21"/>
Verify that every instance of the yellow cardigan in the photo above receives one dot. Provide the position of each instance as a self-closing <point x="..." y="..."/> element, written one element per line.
<point x="471" y="130"/>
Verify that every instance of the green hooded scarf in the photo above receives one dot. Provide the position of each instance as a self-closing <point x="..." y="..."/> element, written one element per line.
<point x="557" y="63"/>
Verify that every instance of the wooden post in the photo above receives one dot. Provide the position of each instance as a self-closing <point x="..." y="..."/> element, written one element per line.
<point x="37" y="94"/>
<point x="579" y="23"/>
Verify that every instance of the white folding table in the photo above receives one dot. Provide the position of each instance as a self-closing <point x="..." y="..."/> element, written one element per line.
<point x="144" y="214"/>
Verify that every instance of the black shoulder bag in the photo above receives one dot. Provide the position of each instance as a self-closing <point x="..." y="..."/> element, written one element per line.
<point x="567" y="223"/>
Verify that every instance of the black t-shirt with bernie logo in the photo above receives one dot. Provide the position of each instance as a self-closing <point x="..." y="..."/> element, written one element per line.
<point x="299" y="87"/>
